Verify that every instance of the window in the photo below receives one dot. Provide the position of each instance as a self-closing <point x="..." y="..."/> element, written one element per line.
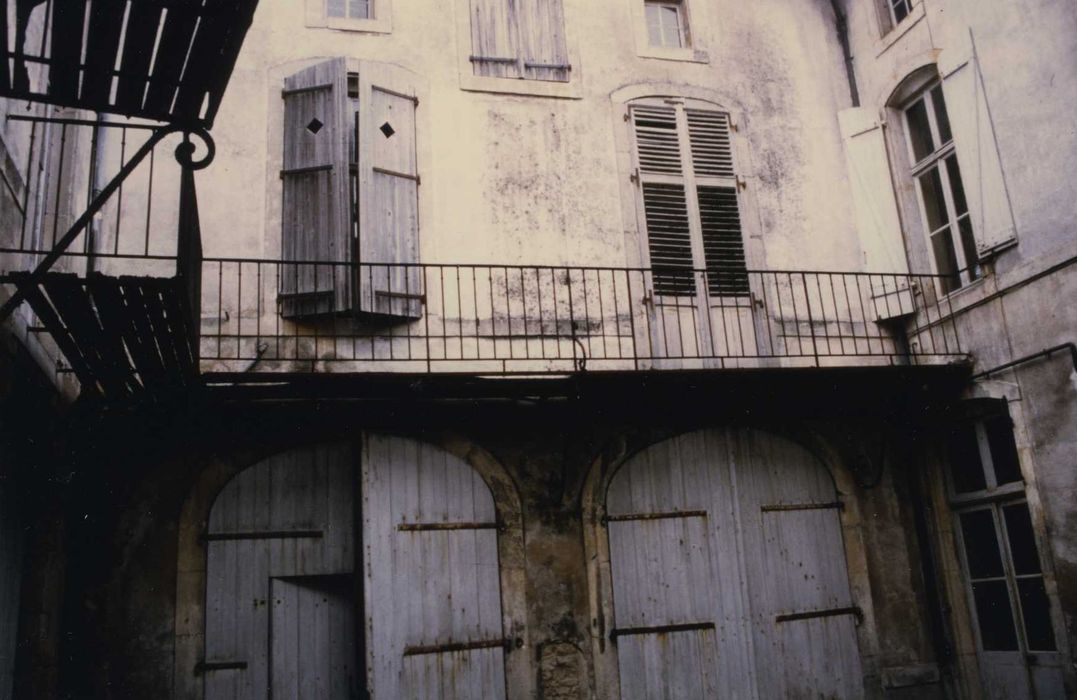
<point x="666" y="24"/>
<point x="350" y="192"/>
<point x="940" y="192"/>
<point x="1006" y="592"/>
<point x="684" y="169"/>
<point x="354" y="15"/>
<point x="523" y="40"/>
<point x="348" y="9"/>
<point x="899" y="10"/>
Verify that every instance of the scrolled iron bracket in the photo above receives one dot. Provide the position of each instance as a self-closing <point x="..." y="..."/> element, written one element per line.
<point x="186" y="150"/>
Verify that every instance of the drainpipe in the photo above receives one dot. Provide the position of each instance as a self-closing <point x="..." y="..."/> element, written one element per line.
<point x="842" y="25"/>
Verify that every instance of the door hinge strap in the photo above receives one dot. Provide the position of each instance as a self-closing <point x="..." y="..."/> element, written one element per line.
<point x="659" y="629"/>
<point x="830" y="612"/>
<point x="263" y="535"/>
<point x="204" y="666"/>
<point x="420" y="650"/>
<point x="655" y="516"/>
<point x="400" y="295"/>
<point x="423" y="527"/>
<point x="397" y="173"/>
<point x="775" y="507"/>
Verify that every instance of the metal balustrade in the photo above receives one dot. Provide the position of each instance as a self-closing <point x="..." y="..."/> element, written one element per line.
<point x="520" y="319"/>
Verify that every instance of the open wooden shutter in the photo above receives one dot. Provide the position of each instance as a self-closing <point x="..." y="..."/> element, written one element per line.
<point x="316" y="201"/>
<point x="872" y="188"/>
<point x="434" y="621"/>
<point x="280" y="554"/>
<point x="542" y="39"/>
<point x="494" y="38"/>
<point x="716" y="190"/>
<point x="977" y="152"/>
<point x="665" y="203"/>
<point x="390" y="283"/>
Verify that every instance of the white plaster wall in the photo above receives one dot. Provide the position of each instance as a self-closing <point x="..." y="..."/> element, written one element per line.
<point x="524" y="179"/>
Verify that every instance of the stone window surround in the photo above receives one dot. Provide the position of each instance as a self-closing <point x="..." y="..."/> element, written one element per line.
<point x="380" y="23"/>
<point x="692" y="53"/>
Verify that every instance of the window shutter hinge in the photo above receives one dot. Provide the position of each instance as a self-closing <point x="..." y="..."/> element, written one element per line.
<point x="733" y="126"/>
<point x="634" y="177"/>
<point x="742" y="184"/>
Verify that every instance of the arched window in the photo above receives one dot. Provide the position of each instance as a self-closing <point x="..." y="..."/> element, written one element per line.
<point x="345" y="569"/>
<point x="727" y="572"/>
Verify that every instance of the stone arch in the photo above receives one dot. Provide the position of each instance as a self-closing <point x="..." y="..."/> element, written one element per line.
<point x="218" y="473"/>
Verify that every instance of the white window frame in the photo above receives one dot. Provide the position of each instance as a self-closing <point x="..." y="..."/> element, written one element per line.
<point x="690" y="51"/>
<point x="379" y="22"/>
<point x="987" y="464"/>
<point x="679" y="10"/>
<point x="967" y="271"/>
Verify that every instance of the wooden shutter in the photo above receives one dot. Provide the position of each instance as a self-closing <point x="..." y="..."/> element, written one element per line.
<point x="389" y="283"/>
<point x="719" y="213"/>
<point x="870" y="183"/>
<point x="280" y="534"/>
<point x="495" y="39"/>
<point x="665" y="203"/>
<point x="316" y="201"/>
<point x="977" y="153"/>
<point x="434" y="620"/>
<point x="542" y="39"/>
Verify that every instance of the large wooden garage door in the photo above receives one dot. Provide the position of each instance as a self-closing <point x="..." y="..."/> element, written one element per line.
<point x="286" y="614"/>
<point x="728" y="572"/>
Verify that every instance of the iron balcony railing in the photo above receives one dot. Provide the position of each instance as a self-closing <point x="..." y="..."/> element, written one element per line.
<point x="500" y="319"/>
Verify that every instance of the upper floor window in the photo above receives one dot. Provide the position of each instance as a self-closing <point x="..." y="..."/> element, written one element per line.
<point x="523" y="40"/>
<point x="941" y="194"/>
<point x="667" y="25"/>
<point x="355" y="15"/>
<point x="899" y="10"/>
<point x="684" y="168"/>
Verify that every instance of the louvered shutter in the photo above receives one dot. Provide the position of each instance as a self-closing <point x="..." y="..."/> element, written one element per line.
<point x="494" y="38"/>
<point x="673" y="189"/>
<point x="390" y="284"/>
<point x="315" y="203"/>
<point x="975" y="144"/>
<point x="719" y="214"/>
<point x="665" y="205"/>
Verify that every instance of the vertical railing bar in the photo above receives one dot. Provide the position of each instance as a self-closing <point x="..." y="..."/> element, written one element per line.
<point x="571" y="314"/>
<point x="651" y="314"/>
<point x="149" y="206"/>
<point x="475" y="308"/>
<point x="119" y="192"/>
<point x="811" y="318"/>
<point x="556" y="313"/>
<point x="459" y="312"/>
<point x="631" y="321"/>
<point x="59" y="183"/>
<point x="493" y="312"/>
<point x="541" y="331"/>
<point x="426" y="317"/>
<point x="587" y="313"/>
<point x="523" y="302"/>
<point x="725" y="324"/>
<point x="616" y="315"/>
<point x="239" y="311"/>
<point x="444" y="312"/>
<point x="508" y="313"/>
<point x="766" y="315"/>
<point x="852" y="319"/>
<point x="220" y="305"/>
<point x="837" y="314"/>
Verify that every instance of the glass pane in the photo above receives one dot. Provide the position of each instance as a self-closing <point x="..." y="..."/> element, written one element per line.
<point x="934" y="199"/>
<point x="334" y="8"/>
<point x="1026" y="559"/>
<point x="981" y="544"/>
<point x="901" y="10"/>
<point x="654" y="23"/>
<point x="919" y="131"/>
<point x="359" y="9"/>
<point x="943" y="248"/>
<point x="956" y="187"/>
<point x="966" y="468"/>
<point x="968" y="247"/>
<point x="941" y="120"/>
<point x="1003" y="449"/>
<point x="995" y="616"/>
<point x="1037" y="613"/>
<point x="671" y="21"/>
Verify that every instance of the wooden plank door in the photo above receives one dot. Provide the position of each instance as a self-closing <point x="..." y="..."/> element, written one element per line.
<point x="803" y="617"/>
<point x="285" y="517"/>
<point x="679" y="624"/>
<point x="433" y="596"/>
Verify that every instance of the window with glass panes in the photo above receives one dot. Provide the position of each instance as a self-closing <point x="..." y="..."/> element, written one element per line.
<point x="1007" y="594"/>
<point x="940" y="191"/>
<point x="349" y="9"/>
<point x="899" y="10"/>
<point x="666" y="24"/>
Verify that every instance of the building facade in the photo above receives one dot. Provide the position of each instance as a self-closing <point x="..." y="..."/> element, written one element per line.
<point x="544" y="349"/>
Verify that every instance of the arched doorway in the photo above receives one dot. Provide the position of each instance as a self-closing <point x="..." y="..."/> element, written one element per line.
<point x="727" y="572"/>
<point x="346" y="568"/>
